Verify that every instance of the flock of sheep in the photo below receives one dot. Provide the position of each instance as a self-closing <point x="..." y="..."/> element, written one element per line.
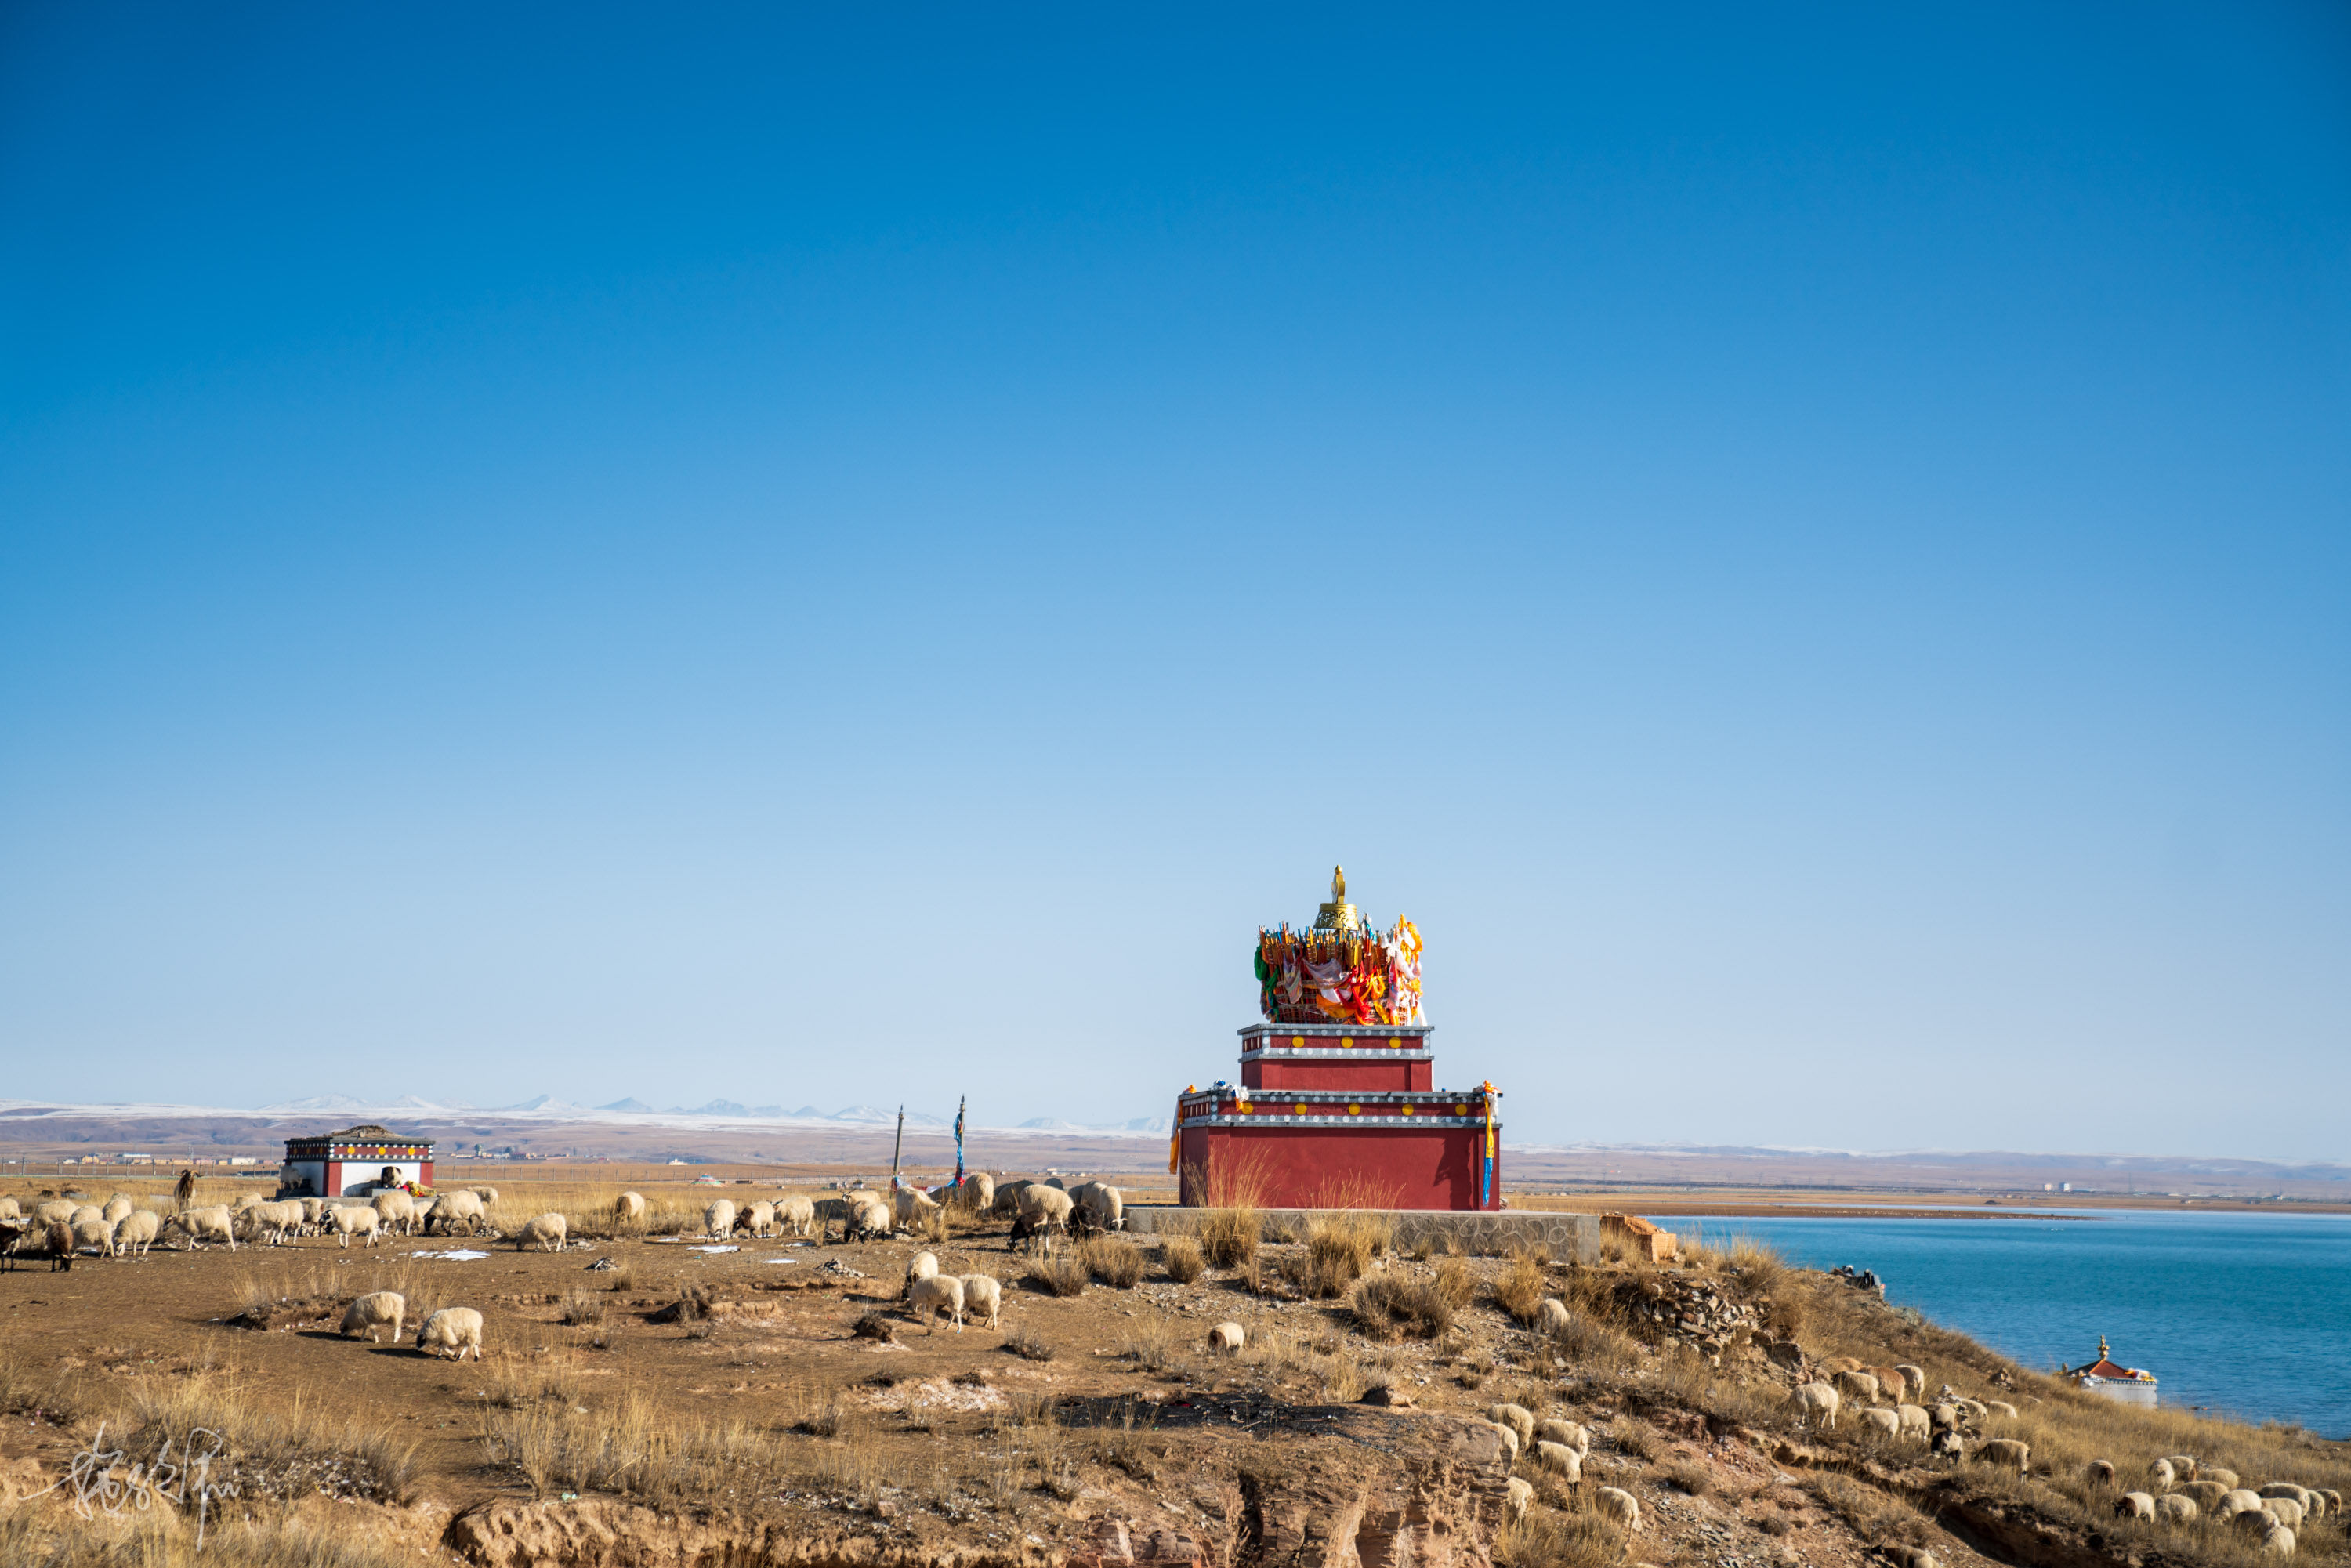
<point x="58" y="1229"/>
<point x="2182" y="1490"/>
<point x="1560" y="1446"/>
<point x="1040" y="1211"/>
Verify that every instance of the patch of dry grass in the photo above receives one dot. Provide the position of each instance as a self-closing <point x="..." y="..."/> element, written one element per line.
<point x="1060" y="1276"/>
<point x="1387" y="1305"/>
<point x="1229" y="1237"/>
<point x="1180" y="1255"/>
<point x="1112" y="1260"/>
<point x="1519" y="1290"/>
<point x="1559" y="1539"/>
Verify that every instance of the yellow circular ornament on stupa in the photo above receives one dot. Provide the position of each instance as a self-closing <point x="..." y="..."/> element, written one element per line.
<point x="1461" y="1110"/>
<point x="1354" y="1110"/>
<point x="1407" y="1110"/>
<point x="1346" y="1042"/>
<point x="1298" y="1110"/>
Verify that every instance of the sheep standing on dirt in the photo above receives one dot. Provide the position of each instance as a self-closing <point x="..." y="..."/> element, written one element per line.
<point x="913" y="1206"/>
<point x="1819" y="1403"/>
<point x="453" y="1209"/>
<point x="1044" y="1212"/>
<point x="137" y="1232"/>
<point x="395" y="1212"/>
<point x="718" y="1219"/>
<point x="2007" y="1452"/>
<point x="1551" y="1316"/>
<point x="868" y="1218"/>
<point x="546" y="1231"/>
<point x="60" y="1237"/>
<point x="271" y="1222"/>
<point x="1567" y="1434"/>
<point x="797" y="1214"/>
<point x="1912" y="1422"/>
<point x="85" y="1214"/>
<point x="936" y="1294"/>
<point x="1227" y="1339"/>
<point x="629" y="1208"/>
<point x="1561" y="1460"/>
<point x="453" y="1329"/>
<point x="2135" y="1505"/>
<point x="921" y="1266"/>
<point x="203" y="1225"/>
<point x="1509" y="1436"/>
<point x="1858" y="1386"/>
<point x="982" y="1293"/>
<point x="1887" y="1423"/>
<point x="351" y="1220"/>
<point x="1105" y="1206"/>
<point x="1519" y="1494"/>
<point x="375" y="1310"/>
<point x="118" y="1208"/>
<point x="978" y="1192"/>
<point x="96" y="1235"/>
<point x="758" y="1218"/>
<point x="1518" y="1418"/>
<point x="1621" y="1506"/>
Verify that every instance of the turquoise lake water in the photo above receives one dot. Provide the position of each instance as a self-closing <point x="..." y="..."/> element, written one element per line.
<point x="2247" y="1315"/>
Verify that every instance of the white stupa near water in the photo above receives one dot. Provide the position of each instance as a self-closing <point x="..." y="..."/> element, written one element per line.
<point x="2128" y="1385"/>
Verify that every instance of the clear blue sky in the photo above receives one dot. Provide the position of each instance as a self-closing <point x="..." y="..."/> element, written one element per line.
<point x="851" y="557"/>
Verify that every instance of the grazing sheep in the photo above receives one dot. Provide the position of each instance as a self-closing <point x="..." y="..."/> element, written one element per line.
<point x="1615" y="1503"/>
<point x="912" y="1204"/>
<point x="2237" y="1500"/>
<point x="867" y="1221"/>
<point x="1551" y="1316"/>
<point x="1948" y="1445"/>
<point x="85" y="1214"/>
<point x="2135" y="1505"/>
<point x="244" y="1201"/>
<point x="1227" y="1339"/>
<point x="797" y="1214"/>
<point x="1890" y="1383"/>
<point x="375" y="1310"/>
<point x="1518" y="1418"/>
<point x="95" y="1234"/>
<point x="2215" y="1473"/>
<point x="2184" y="1466"/>
<point x="351" y="1220"/>
<point x="1913" y="1423"/>
<point x="314" y="1212"/>
<point x="1007" y="1198"/>
<point x="1858" y="1386"/>
<point x="2162" y="1474"/>
<point x="118" y="1208"/>
<point x="395" y="1212"/>
<point x="629" y="1207"/>
<point x="1568" y="1433"/>
<point x="2206" y="1494"/>
<point x="2177" y="1507"/>
<point x="60" y="1238"/>
<point x="2333" y="1498"/>
<point x="1507" y="1434"/>
<point x="937" y="1293"/>
<point x="921" y="1266"/>
<point x="758" y="1218"/>
<point x="271" y="1222"/>
<point x="981" y="1293"/>
<point x="1916" y="1379"/>
<point x="1886" y="1421"/>
<point x="2278" y="1541"/>
<point x="1560" y="1460"/>
<point x="1944" y="1415"/>
<point x="2285" y="1510"/>
<point x="2254" y="1521"/>
<point x="2098" y="1473"/>
<point x="2002" y="1408"/>
<point x="2287" y="1488"/>
<point x="8" y="1210"/>
<point x="138" y="1232"/>
<point x="453" y="1209"/>
<point x="718" y="1219"/>
<point x="453" y="1329"/>
<point x="1106" y="1204"/>
<point x="1518" y="1494"/>
<point x="545" y="1230"/>
<point x="978" y="1192"/>
<point x="2005" y="1452"/>
<point x="1820" y="1401"/>
<point x="1044" y="1212"/>
<point x="54" y="1211"/>
<point x="201" y="1225"/>
<point x="488" y="1194"/>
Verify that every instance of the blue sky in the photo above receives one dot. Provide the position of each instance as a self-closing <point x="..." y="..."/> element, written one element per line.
<point x="858" y="557"/>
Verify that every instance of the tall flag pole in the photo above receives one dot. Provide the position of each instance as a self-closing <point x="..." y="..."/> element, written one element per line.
<point x="1486" y="1170"/>
<point x="959" y="1105"/>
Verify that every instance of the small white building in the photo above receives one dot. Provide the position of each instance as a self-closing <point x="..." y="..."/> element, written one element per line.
<point x="2124" y="1385"/>
<point x="356" y="1161"/>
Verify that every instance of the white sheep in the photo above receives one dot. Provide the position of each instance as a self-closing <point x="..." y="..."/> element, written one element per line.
<point x="981" y="1293"/>
<point x="796" y="1214"/>
<point x="2285" y="1510"/>
<point x="2278" y="1541"/>
<point x="1561" y="1460"/>
<point x="1861" y="1387"/>
<point x="1886" y="1421"/>
<point x="1227" y="1339"/>
<point x="488" y="1194"/>
<point x="2227" y="1478"/>
<point x="937" y="1293"/>
<point x="1551" y="1316"/>
<point x="867" y="1216"/>
<point x="2164" y="1477"/>
<point x="1568" y="1433"/>
<point x="913" y="1204"/>
<point x="2237" y="1500"/>
<point x="629" y="1208"/>
<point x="373" y="1311"/>
<point x="116" y="1210"/>
<point x="456" y="1329"/>
<point x="213" y="1223"/>
<point x="352" y="1219"/>
<point x="2005" y="1452"/>
<point x="1911" y="1421"/>
<point x="2184" y="1466"/>
<point x="1104" y="1203"/>
<point x="1044" y="1212"/>
<point x="718" y="1219"/>
<point x="1617" y="1504"/>
<point x="57" y="1211"/>
<point x="546" y="1231"/>
<point x="2175" y="1507"/>
<point x="85" y="1214"/>
<point x="1915" y="1379"/>
<point x="978" y="1192"/>
<point x="395" y="1212"/>
<point x="1820" y="1402"/>
<point x="2135" y="1505"/>
<point x="1518" y="1494"/>
<point x="453" y="1209"/>
<point x="138" y="1232"/>
<point x="95" y="1234"/>
<point x="1518" y="1418"/>
<point x="2286" y="1489"/>
<point x="1507" y="1434"/>
<point x="243" y="1201"/>
<point x="271" y="1222"/>
<point x="921" y="1266"/>
<point x="8" y="1210"/>
<point x="2002" y="1408"/>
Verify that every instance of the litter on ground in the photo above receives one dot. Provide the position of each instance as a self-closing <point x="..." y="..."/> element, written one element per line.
<point x="455" y="1255"/>
<point x="719" y="1249"/>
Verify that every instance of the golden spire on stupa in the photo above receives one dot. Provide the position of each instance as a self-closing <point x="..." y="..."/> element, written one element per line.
<point x="1338" y="915"/>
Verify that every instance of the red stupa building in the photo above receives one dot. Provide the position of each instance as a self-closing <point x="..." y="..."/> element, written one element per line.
<point x="1335" y="1108"/>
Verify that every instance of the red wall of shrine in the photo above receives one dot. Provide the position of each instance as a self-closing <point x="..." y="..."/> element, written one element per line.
<point x="1314" y="1167"/>
<point x="1334" y="1075"/>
